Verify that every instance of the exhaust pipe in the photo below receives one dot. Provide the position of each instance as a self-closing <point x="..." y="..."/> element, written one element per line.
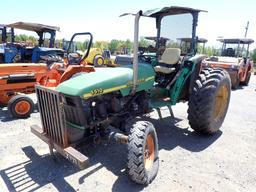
<point x="135" y="51"/>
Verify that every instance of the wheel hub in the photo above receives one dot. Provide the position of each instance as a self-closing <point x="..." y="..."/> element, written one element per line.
<point x="221" y="102"/>
<point x="22" y="107"/>
<point x="149" y="152"/>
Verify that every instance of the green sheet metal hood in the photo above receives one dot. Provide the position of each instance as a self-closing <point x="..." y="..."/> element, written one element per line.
<point x="105" y="80"/>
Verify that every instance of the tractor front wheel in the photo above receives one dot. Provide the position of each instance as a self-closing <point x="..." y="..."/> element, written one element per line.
<point x="20" y="106"/>
<point x="143" y="159"/>
<point x="209" y="100"/>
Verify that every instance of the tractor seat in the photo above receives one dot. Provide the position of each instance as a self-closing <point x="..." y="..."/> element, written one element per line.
<point x="170" y="57"/>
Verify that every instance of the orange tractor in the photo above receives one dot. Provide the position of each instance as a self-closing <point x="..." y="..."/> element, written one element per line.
<point x="235" y="59"/>
<point x="18" y="79"/>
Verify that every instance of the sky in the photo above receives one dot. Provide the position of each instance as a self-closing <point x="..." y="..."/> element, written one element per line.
<point x="226" y="18"/>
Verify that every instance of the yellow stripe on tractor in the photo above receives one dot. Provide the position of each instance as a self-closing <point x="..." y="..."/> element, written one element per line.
<point x="103" y="91"/>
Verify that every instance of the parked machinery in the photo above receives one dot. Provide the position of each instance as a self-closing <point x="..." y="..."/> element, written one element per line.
<point x="234" y="59"/>
<point x="99" y="58"/>
<point x="18" y="79"/>
<point x="85" y="106"/>
<point x="185" y="45"/>
<point x="21" y="52"/>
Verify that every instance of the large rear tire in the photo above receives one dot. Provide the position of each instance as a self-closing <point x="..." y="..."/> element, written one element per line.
<point x="209" y="100"/>
<point x="143" y="159"/>
<point x="20" y="106"/>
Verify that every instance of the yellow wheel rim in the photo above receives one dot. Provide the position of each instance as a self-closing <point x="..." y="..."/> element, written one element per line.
<point x="100" y="61"/>
<point x="221" y="102"/>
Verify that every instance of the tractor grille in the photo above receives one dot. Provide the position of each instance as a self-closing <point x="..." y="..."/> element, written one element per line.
<point x="75" y="111"/>
<point x="52" y="115"/>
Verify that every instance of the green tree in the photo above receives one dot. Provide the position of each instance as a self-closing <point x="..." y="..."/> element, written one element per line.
<point x="211" y="51"/>
<point x="128" y="45"/>
<point x="113" y="45"/>
<point x="254" y="56"/>
<point x="79" y="46"/>
<point x="32" y="38"/>
<point x="173" y="44"/>
<point x="23" y="37"/>
<point x="144" y="42"/>
<point x="122" y="48"/>
<point x="101" y="44"/>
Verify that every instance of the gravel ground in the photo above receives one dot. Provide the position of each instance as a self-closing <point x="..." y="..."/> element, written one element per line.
<point x="188" y="162"/>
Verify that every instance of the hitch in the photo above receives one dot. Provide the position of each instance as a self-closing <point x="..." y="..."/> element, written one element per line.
<point x="69" y="152"/>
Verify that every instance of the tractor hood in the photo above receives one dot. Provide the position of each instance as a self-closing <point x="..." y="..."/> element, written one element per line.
<point x="106" y="80"/>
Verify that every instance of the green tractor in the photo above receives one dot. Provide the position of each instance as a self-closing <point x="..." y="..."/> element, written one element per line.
<point x="107" y="103"/>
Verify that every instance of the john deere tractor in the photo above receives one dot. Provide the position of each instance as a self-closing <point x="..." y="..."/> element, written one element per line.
<point x="107" y="103"/>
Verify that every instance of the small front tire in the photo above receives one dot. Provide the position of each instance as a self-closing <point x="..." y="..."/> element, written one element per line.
<point x="143" y="162"/>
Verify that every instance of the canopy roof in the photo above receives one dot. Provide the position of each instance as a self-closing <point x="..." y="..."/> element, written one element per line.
<point x="33" y="27"/>
<point x="236" y="40"/>
<point x="188" y="39"/>
<point x="2" y="26"/>
<point x="173" y="10"/>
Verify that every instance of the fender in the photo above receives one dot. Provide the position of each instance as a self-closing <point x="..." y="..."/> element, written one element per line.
<point x="190" y="68"/>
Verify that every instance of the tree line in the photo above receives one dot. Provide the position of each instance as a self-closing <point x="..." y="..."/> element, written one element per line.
<point x="120" y="46"/>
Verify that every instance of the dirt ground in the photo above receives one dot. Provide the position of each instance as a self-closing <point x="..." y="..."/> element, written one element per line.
<point x="188" y="162"/>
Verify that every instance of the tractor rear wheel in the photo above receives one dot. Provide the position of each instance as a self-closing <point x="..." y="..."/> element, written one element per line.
<point x="209" y="100"/>
<point x="98" y="61"/>
<point x="20" y="106"/>
<point x="143" y="159"/>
